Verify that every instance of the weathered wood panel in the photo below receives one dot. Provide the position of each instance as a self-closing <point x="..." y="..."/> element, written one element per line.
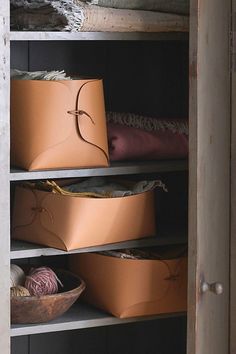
<point x="166" y="336"/>
<point x="19" y="55"/>
<point x="4" y="178"/>
<point x="84" y="341"/>
<point x="19" y="345"/>
<point x="209" y="175"/>
<point x="139" y="77"/>
<point x="233" y="190"/>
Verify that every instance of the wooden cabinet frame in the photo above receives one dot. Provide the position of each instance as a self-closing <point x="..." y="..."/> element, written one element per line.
<point x="209" y="172"/>
<point x="4" y="177"/>
<point x="233" y="189"/>
<point x="209" y="199"/>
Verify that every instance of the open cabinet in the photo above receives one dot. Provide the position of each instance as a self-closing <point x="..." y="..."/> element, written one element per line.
<point x="154" y="69"/>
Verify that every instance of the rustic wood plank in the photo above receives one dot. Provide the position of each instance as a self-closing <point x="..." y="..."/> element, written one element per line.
<point x="87" y="341"/>
<point x="4" y="178"/>
<point x="148" y="337"/>
<point x="20" y="55"/>
<point x="19" y="345"/>
<point x="208" y="314"/>
<point x="233" y="191"/>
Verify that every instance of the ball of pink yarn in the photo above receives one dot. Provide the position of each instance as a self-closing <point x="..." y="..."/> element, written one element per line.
<point x="42" y="281"/>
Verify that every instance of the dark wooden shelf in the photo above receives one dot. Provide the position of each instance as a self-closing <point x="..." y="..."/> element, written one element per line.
<point x="118" y="168"/>
<point x="81" y="316"/>
<point x="21" y="249"/>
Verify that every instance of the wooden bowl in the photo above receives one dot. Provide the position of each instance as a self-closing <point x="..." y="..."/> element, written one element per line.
<point x="36" y="309"/>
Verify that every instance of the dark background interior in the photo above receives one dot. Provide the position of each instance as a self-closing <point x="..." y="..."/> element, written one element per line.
<point x="143" y="77"/>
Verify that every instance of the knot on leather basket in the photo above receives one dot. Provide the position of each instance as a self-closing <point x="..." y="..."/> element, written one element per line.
<point x="38" y="209"/>
<point x="80" y="112"/>
<point x="42" y="210"/>
<point x="172" y="277"/>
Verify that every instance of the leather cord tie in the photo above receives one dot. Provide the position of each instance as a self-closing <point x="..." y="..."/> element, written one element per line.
<point x="173" y="277"/>
<point x="80" y="112"/>
<point x="42" y="210"/>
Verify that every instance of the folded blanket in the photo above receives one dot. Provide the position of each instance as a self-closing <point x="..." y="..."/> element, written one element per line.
<point x="75" y="15"/>
<point x="113" y="189"/>
<point x="161" y="252"/>
<point x="147" y="123"/>
<point x="171" y="6"/>
<point x="97" y="187"/>
<point x="127" y="143"/>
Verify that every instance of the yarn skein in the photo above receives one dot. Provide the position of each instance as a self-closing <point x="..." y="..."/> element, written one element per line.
<point x="42" y="281"/>
<point x="19" y="291"/>
<point x="17" y="276"/>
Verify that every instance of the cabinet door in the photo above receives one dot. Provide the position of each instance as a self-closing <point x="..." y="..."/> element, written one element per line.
<point x="233" y="190"/>
<point x="209" y="197"/>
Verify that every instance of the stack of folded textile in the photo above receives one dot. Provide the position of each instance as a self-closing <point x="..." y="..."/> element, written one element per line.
<point x="75" y="15"/>
<point x="133" y="137"/>
<point x="171" y="6"/>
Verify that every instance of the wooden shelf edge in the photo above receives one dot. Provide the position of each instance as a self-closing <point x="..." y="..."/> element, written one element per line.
<point x="119" y="168"/>
<point x="97" y="36"/>
<point x="21" y="249"/>
<point x="81" y="316"/>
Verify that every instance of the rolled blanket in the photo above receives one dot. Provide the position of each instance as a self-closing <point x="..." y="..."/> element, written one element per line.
<point x="127" y="143"/>
<point x="75" y="15"/>
<point x="171" y="6"/>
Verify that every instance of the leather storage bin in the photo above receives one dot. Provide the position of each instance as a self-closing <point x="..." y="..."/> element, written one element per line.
<point x="67" y="222"/>
<point x="129" y="288"/>
<point x="58" y="124"/>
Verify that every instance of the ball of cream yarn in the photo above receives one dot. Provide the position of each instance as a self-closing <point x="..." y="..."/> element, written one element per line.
<point x="19" y="291"/>
<point x="17" y="276"/>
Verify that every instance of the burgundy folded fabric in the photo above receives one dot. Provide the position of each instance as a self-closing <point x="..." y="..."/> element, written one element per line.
<point x="127" y="143"/>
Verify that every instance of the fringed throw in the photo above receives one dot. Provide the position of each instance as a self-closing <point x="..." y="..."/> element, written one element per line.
<point x="148" y="123"/>
<point x="75" y="15"/>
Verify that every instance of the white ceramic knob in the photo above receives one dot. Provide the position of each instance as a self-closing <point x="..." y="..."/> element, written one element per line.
<point x="216" y="288"/>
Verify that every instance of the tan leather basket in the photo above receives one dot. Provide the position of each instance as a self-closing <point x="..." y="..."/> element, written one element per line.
<point x="68" y="222"/>
<point x="58" y="124"/>
<point x="128" y="288"/>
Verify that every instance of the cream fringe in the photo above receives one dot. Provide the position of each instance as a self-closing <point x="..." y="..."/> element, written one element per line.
<point x="39" y="75"/>
<point x="73" y="11"/>
<point x="147" y="123"/>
